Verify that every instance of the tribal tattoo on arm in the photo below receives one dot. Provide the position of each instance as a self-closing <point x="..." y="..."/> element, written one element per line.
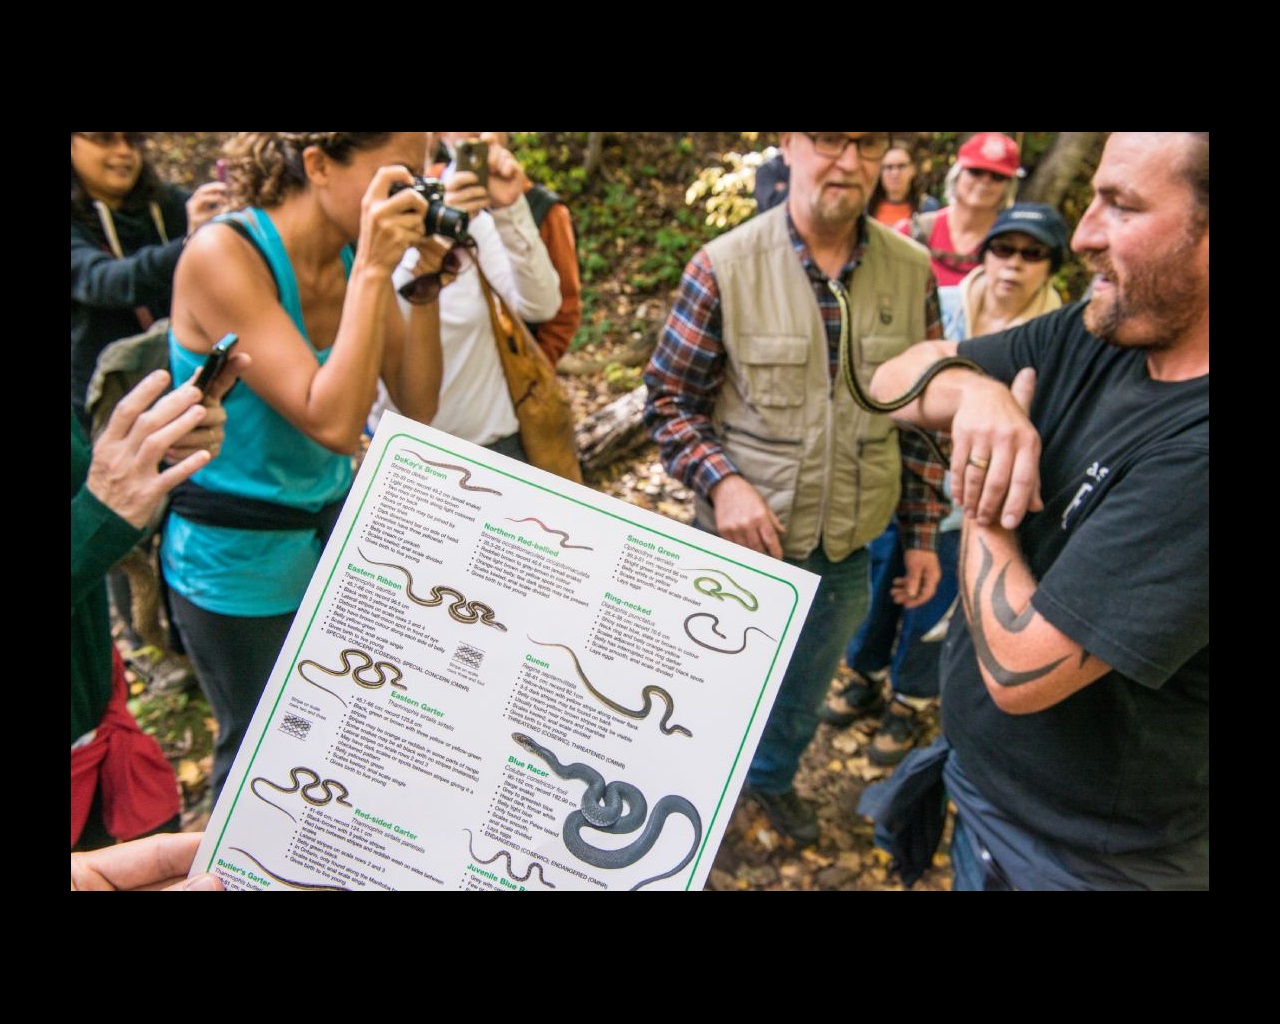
<point x="998" y="613"/>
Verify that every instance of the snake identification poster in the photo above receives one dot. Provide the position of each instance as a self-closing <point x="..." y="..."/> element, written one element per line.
<point x="502" y="680"/>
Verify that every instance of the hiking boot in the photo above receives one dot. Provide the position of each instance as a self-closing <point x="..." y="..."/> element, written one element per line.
<point x="862" y="697"/>
<point x="898" y="732"/>
<point x="789" y="814"/>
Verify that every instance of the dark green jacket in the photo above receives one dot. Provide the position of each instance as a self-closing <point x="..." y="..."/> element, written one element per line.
<point x="99" y="539"/>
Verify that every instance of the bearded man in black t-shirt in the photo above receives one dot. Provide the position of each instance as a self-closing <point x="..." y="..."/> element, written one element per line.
<point x="1075" y="689"/>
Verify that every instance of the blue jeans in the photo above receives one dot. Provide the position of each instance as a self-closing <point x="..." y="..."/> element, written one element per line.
<point x="889" y="636"/>
<point x="838" y="607"/>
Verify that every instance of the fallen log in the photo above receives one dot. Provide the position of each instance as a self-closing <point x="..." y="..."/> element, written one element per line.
<point x="613" y="431"/>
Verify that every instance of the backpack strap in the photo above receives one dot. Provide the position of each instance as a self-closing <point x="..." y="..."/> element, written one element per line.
<point x="541" y="199"/>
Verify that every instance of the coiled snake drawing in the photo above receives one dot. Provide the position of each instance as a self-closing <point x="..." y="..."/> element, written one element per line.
<point x="333" y="789"/>
<point x="712" y="588"/>
<point x="461" y="610"/>
<point x="648" y="693"/>
<point x="386" y="672"/>
<point x="602" y="808"/>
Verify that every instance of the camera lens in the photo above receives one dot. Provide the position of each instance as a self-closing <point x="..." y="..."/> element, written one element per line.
<point x="447" y="221"/>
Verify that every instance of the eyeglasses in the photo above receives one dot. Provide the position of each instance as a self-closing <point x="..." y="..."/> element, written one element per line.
<point x="134" y="140"/>
<point x="833" y="144"/>
<point x="886" y="168"/>
<point x="1030" y="253"/>
<point x="982" y="172"/>
<point x="425" y="289"/>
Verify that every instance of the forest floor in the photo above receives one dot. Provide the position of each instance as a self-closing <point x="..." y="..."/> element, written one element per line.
<point x="835" y="769"/>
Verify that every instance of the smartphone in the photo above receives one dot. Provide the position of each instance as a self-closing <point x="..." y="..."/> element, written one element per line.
<point x="216" y="360"/>
<point x="220" y="170"/>
<point x="473" y="155"/>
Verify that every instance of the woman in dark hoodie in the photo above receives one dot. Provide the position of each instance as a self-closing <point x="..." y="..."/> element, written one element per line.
<point x="127" y="229"/>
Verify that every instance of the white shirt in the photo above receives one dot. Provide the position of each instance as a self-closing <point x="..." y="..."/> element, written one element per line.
<point x="474" y="402"/>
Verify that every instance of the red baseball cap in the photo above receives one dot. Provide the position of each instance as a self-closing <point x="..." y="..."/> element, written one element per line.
<point x="991" y="151"/>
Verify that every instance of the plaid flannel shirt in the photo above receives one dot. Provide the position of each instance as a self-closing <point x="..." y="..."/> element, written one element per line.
<point x="686" y="372"/>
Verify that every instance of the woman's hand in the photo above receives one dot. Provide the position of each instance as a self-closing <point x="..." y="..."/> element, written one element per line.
<point x="206" y="202"/>
<point x="390" y="224"/>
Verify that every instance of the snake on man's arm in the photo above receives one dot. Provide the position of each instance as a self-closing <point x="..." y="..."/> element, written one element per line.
<point x="648" y="693"/>
<point x="592" y="813"/>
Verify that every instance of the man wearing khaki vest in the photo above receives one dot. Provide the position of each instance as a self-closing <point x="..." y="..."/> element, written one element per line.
<point x="749" y="409"/>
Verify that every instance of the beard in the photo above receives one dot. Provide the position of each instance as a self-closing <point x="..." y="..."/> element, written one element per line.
<point x="1153" y="304"/>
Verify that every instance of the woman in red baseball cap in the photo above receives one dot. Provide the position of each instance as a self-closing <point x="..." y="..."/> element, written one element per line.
<point x="979" y="185"/>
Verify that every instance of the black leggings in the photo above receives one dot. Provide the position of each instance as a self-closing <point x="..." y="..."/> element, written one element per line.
<point x="233" y="657"/>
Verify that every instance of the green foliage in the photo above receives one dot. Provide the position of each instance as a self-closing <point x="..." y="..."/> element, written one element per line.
<point x="725" y="190"/>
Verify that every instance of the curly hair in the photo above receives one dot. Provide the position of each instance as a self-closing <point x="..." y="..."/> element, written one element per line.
<point x="147" y="188"/>
<point x="264" y="168"/>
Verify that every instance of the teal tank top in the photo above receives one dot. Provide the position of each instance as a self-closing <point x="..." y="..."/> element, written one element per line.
<point x="255" y="572"/>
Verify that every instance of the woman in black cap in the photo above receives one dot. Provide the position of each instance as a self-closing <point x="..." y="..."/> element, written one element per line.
<point x="1020" y="254"/>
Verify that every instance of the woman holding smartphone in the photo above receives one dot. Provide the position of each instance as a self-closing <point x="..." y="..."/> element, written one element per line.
<point x="301" y="272"/>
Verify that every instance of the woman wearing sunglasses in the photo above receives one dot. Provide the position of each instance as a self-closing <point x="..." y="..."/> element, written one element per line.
<point x="1020" y="254"/>
<point x="979" y="185"/>
<point x="301" y="271"/>
<point x="127" y="229"/>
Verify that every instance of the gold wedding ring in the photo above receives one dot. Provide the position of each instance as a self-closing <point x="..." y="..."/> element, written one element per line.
<point x="978" y="462"/>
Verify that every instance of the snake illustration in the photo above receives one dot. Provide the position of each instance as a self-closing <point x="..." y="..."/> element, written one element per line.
<point x="647" y="693"/>
<point x="715" y="628"/>
<point x="601" y="809"/>
<point x="466" y="473"/>
<point x="719" y="593"/>
<point x="329" y="786"/>
<point x="289" y="881"/>
<point x="564" y="543"/>
<point x="461" y="610"/>
<point x="382" y="668"/>
<point x="533" y="865"/>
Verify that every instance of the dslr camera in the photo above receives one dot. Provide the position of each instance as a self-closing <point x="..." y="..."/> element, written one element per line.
<point x="440" y="219"/>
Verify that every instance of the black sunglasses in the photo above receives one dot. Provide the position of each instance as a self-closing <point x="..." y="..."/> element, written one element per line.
<point x="134" y="140"/>
<point x="1030" y="253"/>
<point x="425" y="289"/>
<point x="982" y="172"/>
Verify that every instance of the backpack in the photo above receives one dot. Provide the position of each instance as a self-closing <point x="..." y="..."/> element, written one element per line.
<point x="120" y="368"/>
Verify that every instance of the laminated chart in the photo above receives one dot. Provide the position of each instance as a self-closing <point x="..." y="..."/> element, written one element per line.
<point x="500" y="680"/>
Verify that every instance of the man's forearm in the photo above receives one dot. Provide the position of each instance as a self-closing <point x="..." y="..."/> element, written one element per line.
<point x="935" y="408"/>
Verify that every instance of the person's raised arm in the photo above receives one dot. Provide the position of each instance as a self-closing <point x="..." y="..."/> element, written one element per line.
<point x="223" y="285"/>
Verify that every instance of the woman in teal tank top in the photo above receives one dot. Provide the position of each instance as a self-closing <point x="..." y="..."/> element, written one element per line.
<point x="301" y="272"/>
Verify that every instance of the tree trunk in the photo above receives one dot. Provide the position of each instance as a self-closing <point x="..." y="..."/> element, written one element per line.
<point x="1058" y="167"/>
<point x="610" y="433"/>
<point x="595" y="146"/>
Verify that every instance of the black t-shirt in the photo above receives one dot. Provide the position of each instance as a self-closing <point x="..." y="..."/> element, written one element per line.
<point x="1121" y="556"/>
